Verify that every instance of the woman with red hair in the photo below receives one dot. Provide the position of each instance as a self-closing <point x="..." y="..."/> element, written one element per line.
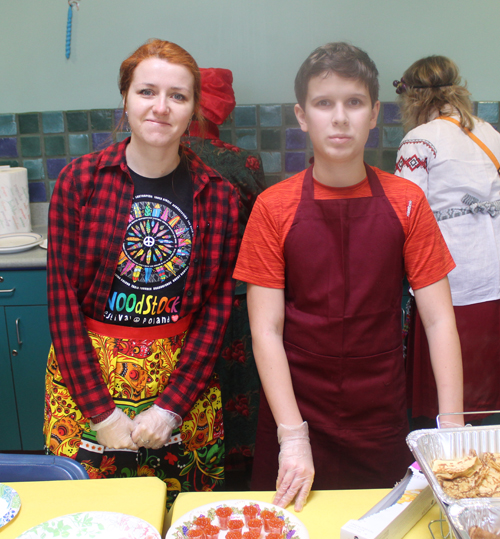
<point x="142" y="243"/>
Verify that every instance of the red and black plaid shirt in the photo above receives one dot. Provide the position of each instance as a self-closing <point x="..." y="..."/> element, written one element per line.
<point x="88" y="217"/>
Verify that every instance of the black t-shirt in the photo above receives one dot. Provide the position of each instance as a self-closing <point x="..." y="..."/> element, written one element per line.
<point x="151" y="273"/>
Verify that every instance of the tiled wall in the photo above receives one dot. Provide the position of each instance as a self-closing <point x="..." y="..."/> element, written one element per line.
<point x="44" y="142"/>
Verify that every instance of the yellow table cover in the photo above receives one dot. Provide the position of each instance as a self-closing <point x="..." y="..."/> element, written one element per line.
<point x="325" y="513"/>
<point x="143" y="497"/>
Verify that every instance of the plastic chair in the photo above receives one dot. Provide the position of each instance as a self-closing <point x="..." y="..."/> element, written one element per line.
<point x="18" y="467"/>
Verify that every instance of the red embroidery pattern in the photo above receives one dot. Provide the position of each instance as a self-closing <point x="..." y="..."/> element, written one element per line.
<point x="412" y="163"/>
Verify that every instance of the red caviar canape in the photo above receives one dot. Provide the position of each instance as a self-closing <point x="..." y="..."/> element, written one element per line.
<point x="250" y="511"/>
<point x="252" y="534"/>
<point x="202" y="522"/>
<point x="276" y="525"/>
<point x="255" y="524"/>
<point x="223" y="513"/>
<point x="234" y="534"/>
<point x="236" y="524"/>
<point x="196" y="533"/>
<point x="212" y="532"/>
<point x="266" y="515"/>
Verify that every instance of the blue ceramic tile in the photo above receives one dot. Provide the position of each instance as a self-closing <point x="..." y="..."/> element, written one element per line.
<point x="295" y="161"/>
<point x="118" y="118"/>
<point x="271" y="162"/>
<point x="393" y="136"/>
<point x="8" y="147"/>
<point x="52" y="122"/>
<point x="101" y="140"/>
<point x="35" y="169"/>
<point x="37" y="192"/>
<point x="373" y="138"/>
<point x="488" y="111"/>
<point x="270" y="115"/>
<point x="54" y="167"/>
<point x="295" y="139"/>
<point x="245" y="116"/>
<point x="78" y="144"/>
<point x="246" y="139"/>
<point x="391" y="113"/>
<point x="8" y="124"/>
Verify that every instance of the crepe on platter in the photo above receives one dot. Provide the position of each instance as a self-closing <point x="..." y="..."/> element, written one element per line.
<point x="475" y="532"/>
<point x="470" y="476"/>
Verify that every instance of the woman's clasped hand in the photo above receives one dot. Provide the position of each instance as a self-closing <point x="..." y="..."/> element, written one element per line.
<point x="151" y="428"/>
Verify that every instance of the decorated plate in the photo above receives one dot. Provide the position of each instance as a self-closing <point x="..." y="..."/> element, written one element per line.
<point x="292" y="529"/>
<point x="19" y="241"/>
<point x="10" y="503"/>
<point x="95" y="525"/>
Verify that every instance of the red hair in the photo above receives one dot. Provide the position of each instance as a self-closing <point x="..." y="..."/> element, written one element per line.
<point x="165" y="50"/>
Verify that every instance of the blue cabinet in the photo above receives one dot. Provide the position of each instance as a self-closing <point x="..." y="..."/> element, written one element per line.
<point x="24" y="346"/>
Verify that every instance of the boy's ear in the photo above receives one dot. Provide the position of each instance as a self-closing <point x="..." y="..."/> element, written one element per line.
<point x="301" y="117"/>
<point x="375" y="112"/>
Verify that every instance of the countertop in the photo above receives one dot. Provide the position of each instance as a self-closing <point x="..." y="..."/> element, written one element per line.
<point x="34" y="258"/>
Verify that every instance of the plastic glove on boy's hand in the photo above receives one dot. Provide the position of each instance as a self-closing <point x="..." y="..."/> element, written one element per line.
<point x="154" y="426"/>
<point x="296" y="468"/>
<point x="114" y="431"/>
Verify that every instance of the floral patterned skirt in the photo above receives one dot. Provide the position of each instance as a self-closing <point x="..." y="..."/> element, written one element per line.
<point x="136" y="371"/>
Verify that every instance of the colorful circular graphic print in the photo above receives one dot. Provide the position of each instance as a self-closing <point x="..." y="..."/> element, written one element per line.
<point x="157" y="244"/>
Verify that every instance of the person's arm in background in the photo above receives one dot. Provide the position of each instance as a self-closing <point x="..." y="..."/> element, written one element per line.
<point x="438" y="318"/>
<point x="266" y="310"/>
<point x="413" y="161"/>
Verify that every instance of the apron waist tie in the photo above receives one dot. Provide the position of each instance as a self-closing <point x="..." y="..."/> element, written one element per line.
<point x="163" y="331"/>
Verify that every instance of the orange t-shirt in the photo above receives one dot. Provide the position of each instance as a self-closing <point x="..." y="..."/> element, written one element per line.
<point x="261" y="259"/>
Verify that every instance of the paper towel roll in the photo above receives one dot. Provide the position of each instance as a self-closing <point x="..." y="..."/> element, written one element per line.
<point x="14" y="200"/>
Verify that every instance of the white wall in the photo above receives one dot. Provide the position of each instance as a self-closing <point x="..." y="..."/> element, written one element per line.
<point x="262" y="41"/>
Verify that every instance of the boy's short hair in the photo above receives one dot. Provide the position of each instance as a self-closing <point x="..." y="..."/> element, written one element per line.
<point x="343" y="59"/>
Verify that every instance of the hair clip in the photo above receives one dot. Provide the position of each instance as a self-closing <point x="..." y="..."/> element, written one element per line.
<point x="400" y="86"/>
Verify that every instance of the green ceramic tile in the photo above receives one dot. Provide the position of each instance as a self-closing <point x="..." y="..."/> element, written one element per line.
<point x="270" y="139"/>
<point x="101" y="120"/>
<point x="9" y="163"/>
<point x="31" y="147"/>
<point x="28" y="123"/>
<point x="52" y="122"/>
<point x="54" y="145"/>
<point x="52" y="184"/>
<point x="78" y="144"/>
<point x="371" y="157"/>
<point x="389" y="160"/>
<point x="393" y="136"/>
<point x="271" y="179"/>
<point x="226" y="135"/>
<point x="77" y="121"/>
<point x="35" y="169"/>
<point x="122" y="136"/>
<point x="488" y="111"/>
<point x="8" y="124"/>
<point x="290" y="118"/>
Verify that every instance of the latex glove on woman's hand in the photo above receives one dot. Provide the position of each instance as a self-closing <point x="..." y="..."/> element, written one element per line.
<point x="154" y="426"/>
<point x="451" y="421"/>
<point x="114" y="432"/>
<point x="296" y="468"/>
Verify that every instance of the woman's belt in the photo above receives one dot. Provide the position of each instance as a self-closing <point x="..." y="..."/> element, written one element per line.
<point x="163" y="331"/>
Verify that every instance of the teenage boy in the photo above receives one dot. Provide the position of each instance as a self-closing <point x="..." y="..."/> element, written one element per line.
<point x="324" y="255"/>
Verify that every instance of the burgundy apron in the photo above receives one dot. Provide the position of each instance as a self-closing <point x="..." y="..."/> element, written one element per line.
<point x="342" y="335"/>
